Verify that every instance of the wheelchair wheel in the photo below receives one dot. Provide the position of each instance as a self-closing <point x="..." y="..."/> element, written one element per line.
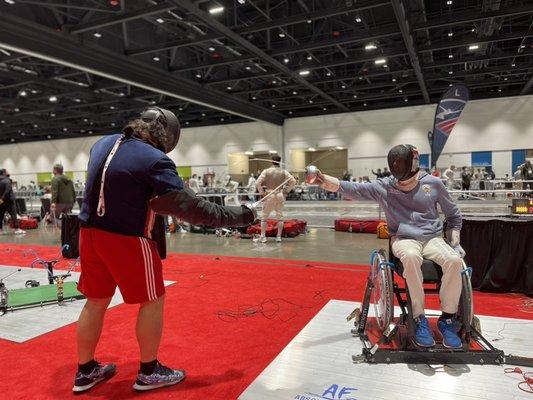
<point x="465" y="311"/>
<point x="382" y="291"/>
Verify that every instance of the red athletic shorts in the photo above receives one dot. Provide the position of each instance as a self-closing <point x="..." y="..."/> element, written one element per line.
<point x="109" y="260"/>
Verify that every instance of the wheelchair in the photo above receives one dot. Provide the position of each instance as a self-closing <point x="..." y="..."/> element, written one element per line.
<point x="396" y="342"/>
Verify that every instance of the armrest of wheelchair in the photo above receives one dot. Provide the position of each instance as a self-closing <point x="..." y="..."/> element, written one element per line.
<point x="431" y="271"/>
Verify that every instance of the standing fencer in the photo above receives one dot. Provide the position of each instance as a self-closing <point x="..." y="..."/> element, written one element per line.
<point x="130" y="178"/>
<point x="410" y="199"/>
<point x="271" y="178"/>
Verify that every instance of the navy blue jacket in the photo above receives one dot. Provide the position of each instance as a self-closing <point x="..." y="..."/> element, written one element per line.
<point x="137" y="173"/>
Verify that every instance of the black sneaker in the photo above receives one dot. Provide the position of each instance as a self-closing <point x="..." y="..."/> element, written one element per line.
<point x="84" y="382"/>
<point x="161" y="377"/>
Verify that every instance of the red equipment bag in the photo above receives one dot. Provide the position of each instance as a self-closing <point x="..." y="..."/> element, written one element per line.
<point x="357" y="225"/>
<point x="291" y="228"/>
<point x="26" y="223"/>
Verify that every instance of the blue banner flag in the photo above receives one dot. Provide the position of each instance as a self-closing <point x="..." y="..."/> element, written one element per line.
<point x="448" y="111"/>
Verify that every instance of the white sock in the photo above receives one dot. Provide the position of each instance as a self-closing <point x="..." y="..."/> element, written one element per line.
<point x="263" y="228"/>
<point x="280" y="228"/>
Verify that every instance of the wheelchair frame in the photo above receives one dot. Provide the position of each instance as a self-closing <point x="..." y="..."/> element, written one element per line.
<point x="381" y="277"/>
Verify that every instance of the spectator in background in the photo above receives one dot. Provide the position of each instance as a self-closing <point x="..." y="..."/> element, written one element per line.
<point x="449" y="175"/>
<point x="386" y="172"/>
<point x="466" y="177"/>
<point x="7" y="202"/>
<point x="346" y="176"/>
<point x="527" y="175"/>
<point x="63" y="193"/>
<point x="193" y="184"/>
<point x="378" y="174"/>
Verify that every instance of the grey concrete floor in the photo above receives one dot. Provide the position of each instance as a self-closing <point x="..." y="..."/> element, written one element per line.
<point x="320" y="244"/>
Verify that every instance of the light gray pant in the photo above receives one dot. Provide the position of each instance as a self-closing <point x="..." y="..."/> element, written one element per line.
<point x="411" y="253"/>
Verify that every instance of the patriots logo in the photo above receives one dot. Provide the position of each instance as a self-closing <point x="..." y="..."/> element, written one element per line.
<point x="446" y="127"/>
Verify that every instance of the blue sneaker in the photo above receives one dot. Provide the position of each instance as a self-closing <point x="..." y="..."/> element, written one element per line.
<point x="423" y="335"/>
<point x="161" y="377"/>
<point x="448" y="330"/>
<point x="101" y="372"/>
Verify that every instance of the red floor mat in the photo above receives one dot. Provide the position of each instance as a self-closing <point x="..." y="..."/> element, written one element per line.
<point x="226" y="319"/>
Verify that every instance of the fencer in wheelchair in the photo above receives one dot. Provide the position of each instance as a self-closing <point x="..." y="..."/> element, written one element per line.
<point x="409" y="199"/>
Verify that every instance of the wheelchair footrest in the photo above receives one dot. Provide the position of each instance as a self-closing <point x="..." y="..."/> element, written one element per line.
<point x="436" y="356"/>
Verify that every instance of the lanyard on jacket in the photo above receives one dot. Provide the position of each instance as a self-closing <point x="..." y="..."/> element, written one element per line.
<point x="100" y="210"/>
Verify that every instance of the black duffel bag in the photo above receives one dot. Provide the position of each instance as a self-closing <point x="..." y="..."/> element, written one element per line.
<point x="70" y="235"/>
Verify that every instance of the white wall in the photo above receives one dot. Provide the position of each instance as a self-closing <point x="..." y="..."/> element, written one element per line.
<point x="498" y="125"/>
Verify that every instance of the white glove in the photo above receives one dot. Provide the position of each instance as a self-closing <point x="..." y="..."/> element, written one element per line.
<point x="454" y="238"/>
<point x="327" y="182"/>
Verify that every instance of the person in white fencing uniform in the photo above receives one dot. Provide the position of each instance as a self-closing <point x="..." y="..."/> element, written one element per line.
<point x="251" y="187"/>
<point x="449" y="174"/>
<point x="270" y="179"/>
<point x="410" y="199"/>
<point x="193" y="184"/>
<point x="232" y="188"/>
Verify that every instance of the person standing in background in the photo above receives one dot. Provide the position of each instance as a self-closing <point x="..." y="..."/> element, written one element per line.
<point x="193" y="184"/>
<point x="465" y="179"/>
<point x="386" y="172"/>
<point x="7" y="202"/>
<point x="378" y="174"/>
<point x="449" y="174"/>
<point x="63" y="193"/>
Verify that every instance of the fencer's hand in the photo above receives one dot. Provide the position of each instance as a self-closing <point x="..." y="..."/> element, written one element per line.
<point x="313" y="176"/>
<point x="459" y="250"/>
<point x="316" y="177"/>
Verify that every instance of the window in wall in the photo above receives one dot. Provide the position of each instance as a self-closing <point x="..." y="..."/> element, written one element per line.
<point x="481" y="158"/>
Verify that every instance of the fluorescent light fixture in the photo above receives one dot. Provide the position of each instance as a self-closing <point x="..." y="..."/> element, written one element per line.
<point x="473" y="47"/>
<point x="34" y="91"/>
<point x="355" y="96"/>
<point x="198" y="76"/>
<point x="274" y="82"/>
<point x="290" y="112"/>
<point x="358" y="19"/>
<point x="85" y="120"/>
<point x="10" y="1"/>
<point x="328" y="73"/>
<point x="249" y="153"/>
<point x="49" y="137"/>
<point x="254" y="98"/>
<point x="28" y="71"/>
<point x="160" y="20"/>
<point x="35" y="126"/>
<point x="394" y="79"/>
<point x="309" y="57"/>
<point x="450" y="56"/>
<point x="52" y="99"/>
<point x="7" y="53"/>
<point x="16" y="109"/>
<point x="52" y="115"/>
<point x="211" y="48"/>
<point x="285" y="60"/>
<point x="324" y="108"/>
<point x="370" y="46"/>
<point x="364" y="104"/>
<point x="111" y="107"/>
<point x="449" y="2"/>
<point x="97" y="35"/>
<point x="450" y="72"/>
<point x="310" y="101"/>
<point x="221" y="119"/>
<point x="216" y="10"/>
<point x="385" y="66"/>
<point x="22" y="133"/>
<point x="513" y="65"/>
<point x="187" y="122"/>
<point x="281" y="35"/>
<point x="343" y="86"/>
<point x="12" y="139"/>
<point x="305" y="72"/>
<point x="309" y="21"/>
<point x="273" y="106"/>
<point x="2" y="122"/>
<point x="23" y="93"/>
<point x="272" y="152"/>
<point x="65" y="129"/>
<point x="248" y="68"/>
<point x="400" y="91"/>
<point x="77" y="100"/>
<point x="522" y="46"/>
<point x="156" y="58"/>
<point x="311" y="149"/>
<point x="229" y="88"/>
<point x="113" y="124"/>
<point x="241" y="1"/>
<point x="499" y="90"/>
<point x="473" y="29"/>
<point x="295" y="92"/>
<point x="380" y="61"/>
<point x="406" y="99"/>
<point x="450" y="34"/>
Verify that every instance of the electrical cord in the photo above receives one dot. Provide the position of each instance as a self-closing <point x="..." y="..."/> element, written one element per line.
<point x="527" y="384"/>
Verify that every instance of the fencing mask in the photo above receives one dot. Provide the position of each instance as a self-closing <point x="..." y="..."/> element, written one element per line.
<point x="166" y="127"/>
<point x="403" y="161"/>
